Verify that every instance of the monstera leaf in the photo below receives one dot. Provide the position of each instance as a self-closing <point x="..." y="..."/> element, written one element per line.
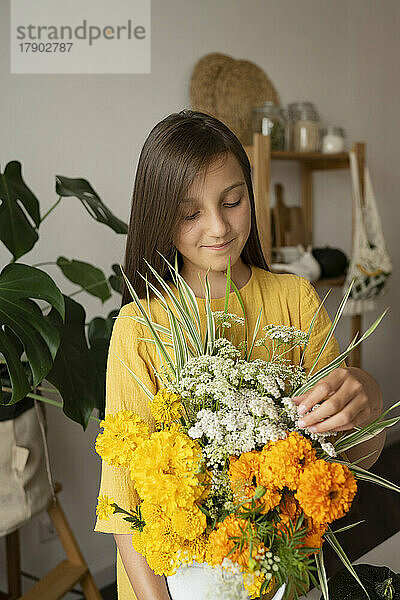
<point x="99" y="334"/>
<point x="87" y="276"/>
<point x="23" y="327"/>
<point x="17" y="201"/>
<point x="115" y="280"/>
<point x="74" y="371"/>
<point x="81" y="189"/>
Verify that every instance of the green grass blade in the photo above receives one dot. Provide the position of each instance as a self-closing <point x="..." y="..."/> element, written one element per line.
<point x="244" y="316"/>
<point x="323" y="581"/>
<point x="333" y="542"/>
<point x="185" y="318"/>
<point x="333" y="364"/>
<point x="149" y="324"/>
<point x="312" y="326"/>
<point x="142" y="385"/>
<point x="227" y="290"/>
<point x="333" y="326"/>
<point x="191" y="298"/>
<point x="365" y="475"/>
<point x="210" y="334"/>
<point x="256" y="328"/>
<point x="347" y="527"/>
<point x="156" y="326"/>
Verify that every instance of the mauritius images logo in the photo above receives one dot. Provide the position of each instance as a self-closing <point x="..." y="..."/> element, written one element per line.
<point x="81" y="36"/>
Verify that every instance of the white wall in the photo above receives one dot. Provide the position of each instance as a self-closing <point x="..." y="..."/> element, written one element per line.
<point x="340" y="54"/>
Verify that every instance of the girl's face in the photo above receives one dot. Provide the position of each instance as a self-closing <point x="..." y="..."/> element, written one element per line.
<point x="217" y="210"/>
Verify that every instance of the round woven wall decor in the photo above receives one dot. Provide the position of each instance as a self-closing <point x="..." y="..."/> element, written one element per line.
<point x="202" y="83"/>
<point x="240" y="86"/>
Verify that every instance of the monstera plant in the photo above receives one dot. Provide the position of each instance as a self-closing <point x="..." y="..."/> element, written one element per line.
<point x="43" y="333"/>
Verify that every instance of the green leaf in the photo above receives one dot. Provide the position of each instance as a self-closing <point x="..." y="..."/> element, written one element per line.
<point x="99" y="335"/>
<point x="23" y="327"/>
<point x="18" y="208"/>
<point x="74" y="370"/>
<point x="90" y="278"/>
<point x="116" y="280"/>
<point x="81" y="189"/>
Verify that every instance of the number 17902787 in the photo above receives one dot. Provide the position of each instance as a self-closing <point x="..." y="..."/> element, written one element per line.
<point x="45" y="46"/>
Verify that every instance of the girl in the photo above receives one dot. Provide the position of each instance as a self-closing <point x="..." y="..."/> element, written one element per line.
<point x="193" y="194"/>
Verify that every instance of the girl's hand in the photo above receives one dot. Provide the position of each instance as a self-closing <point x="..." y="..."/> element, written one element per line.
<point x="349" y="397"/>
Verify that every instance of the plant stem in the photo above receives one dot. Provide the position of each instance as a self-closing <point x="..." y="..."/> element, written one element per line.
<point x="44" y="263"/>
<point x="85" y="288"/>
<point x="43" y="399"/>
<point x="50" y="209"/>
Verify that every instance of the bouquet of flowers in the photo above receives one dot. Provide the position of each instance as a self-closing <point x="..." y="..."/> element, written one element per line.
<point x="227" y="478"/>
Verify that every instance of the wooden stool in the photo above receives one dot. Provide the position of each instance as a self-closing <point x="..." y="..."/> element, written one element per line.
<point x="63" y="577"/>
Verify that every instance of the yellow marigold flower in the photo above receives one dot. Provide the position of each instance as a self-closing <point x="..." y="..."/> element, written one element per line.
<point x="244" y="475"/>
<point x="220" y="543"/>
<point x="253" y="583"/>
<point x="165" y="470"/>
<point x="123" y="433"/>
<point x="139" y="541"/>
<point x="166" y="407"/>
<point x="283" y="461"/>
<point x="159" y="533"/>
<point x="189" y="524"/>
<point x="153" y="513"/>
<point x="105" y="507"/>
<point x="326" y="491"/>
<point x="194" y="549"/>
<point x="162" y="563"/>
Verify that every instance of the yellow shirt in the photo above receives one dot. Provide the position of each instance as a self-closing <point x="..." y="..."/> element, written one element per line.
<point x="286" y="299"/>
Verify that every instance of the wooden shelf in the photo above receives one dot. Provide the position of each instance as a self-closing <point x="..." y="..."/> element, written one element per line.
<point x="260" y="157"/>
<point x="315" y="161"/>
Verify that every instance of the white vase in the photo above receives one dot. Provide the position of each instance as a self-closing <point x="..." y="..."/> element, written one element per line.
<point x="199" y="582"/>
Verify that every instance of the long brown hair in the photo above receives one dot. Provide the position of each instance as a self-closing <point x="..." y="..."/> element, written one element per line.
<point x="176" y="150"/>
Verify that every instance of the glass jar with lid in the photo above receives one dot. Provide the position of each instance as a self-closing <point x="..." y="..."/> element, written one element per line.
<point x="268" y="119"/>
<point x="304" y="129"/>
<point x="333" y="139"/>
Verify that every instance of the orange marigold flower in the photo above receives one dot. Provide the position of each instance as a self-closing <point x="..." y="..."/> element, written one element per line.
<point x="282" y="462"/>
<point x="315" y="531"/>
<point x="289" y="510"/>
<point x="220" y="542"/>
<point x="244" y="475"/>
<point x="326" y="491"/>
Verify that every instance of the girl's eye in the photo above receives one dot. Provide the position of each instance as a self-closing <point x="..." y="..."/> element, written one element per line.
<point x="192" y="217"/>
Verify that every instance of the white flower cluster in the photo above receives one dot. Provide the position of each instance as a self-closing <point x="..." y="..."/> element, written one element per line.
<point x="226" y="349"/>
<point x="227" y="582"/>
<point x="235" y="406"/>
<point x="283" y="333"/>
<point x="223" y="319"/>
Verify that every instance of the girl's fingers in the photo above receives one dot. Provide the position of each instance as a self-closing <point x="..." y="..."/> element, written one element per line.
<point x="349" y="417"/>
<point x="321" y="391"/>
<point x="337" y="411"/>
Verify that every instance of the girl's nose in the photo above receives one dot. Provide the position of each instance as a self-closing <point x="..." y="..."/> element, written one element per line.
<point x="217" y="226"/>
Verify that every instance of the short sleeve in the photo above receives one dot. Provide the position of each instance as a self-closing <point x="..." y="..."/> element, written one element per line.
<point x="309" y="303"/>
<point x="124" y="393"/>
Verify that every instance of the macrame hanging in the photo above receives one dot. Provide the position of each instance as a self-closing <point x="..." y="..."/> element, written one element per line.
<point x="370" y="264"/>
